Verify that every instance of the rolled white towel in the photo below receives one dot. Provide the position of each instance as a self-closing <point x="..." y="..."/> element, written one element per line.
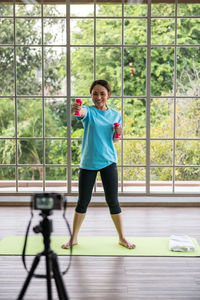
<point x="181" y="243"/>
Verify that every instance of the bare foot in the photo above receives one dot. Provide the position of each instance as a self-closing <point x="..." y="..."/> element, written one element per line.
<point x="68" y="244"/>
<point x="126" y="244"/>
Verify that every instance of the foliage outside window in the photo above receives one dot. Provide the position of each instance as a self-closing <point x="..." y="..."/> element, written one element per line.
<point x="34" y="137"/>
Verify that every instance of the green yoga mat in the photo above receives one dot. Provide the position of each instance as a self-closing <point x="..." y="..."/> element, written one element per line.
<point x="95" y="246"/>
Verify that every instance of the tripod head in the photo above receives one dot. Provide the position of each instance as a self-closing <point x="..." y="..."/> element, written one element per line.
<point x="45" y="226"/>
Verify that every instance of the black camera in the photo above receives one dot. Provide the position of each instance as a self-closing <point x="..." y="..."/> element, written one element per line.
<point x="47" y="201"/>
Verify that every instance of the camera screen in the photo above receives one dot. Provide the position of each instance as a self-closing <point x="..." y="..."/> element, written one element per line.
<point x="45" y="202"/>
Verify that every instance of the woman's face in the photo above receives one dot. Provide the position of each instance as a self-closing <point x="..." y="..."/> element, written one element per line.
<point x="99" y="96"/>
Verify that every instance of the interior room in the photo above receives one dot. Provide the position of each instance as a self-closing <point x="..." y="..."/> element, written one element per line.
<point x="100" y="149"/>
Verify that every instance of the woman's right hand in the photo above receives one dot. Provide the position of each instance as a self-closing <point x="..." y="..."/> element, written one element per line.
<point x="76" y="107"/>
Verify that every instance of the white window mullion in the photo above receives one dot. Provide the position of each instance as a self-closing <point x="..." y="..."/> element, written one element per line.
<point x="174" y="121"/>
<point x="68" y="49"/>
<point x="15" y="97"/>
<point x="148" y="99"/>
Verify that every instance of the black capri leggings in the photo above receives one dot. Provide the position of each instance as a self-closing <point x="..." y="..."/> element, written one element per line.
<point x="109" y="179"/>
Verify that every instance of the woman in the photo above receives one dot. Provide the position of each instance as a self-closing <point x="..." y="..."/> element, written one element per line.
<point x="98" y="154"/>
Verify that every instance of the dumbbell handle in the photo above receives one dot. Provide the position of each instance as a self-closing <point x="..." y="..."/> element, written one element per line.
<point x="77" y="113"/>
<point x="117" y="136"/>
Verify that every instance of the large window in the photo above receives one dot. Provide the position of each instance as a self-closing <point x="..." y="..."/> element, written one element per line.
<point x="50" y="53"/>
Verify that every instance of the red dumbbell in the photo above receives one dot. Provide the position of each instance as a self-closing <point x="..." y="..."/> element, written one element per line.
<point x="79" y="101"/>
<point x="117" y="136"/>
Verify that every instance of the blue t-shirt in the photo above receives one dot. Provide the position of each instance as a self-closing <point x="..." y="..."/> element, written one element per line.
<point x="98" y="149"/>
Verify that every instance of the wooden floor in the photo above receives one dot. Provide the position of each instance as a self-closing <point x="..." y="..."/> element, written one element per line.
<point x="110" y="278"/>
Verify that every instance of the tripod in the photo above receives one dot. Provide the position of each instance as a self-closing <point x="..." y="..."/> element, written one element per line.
<point x="52" y="266"/>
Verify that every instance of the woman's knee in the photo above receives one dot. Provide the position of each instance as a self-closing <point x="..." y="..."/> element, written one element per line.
<point x="81" y="208"/>
<point x="114" y="209"/>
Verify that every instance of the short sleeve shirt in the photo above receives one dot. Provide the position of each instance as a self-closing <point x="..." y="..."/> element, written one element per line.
<point x="98" y="149"/>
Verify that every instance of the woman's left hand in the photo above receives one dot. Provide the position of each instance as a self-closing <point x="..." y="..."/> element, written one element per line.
<point x="118" y="130"/>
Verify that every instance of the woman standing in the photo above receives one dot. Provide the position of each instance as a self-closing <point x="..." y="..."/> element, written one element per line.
<point x="98" y="154"/>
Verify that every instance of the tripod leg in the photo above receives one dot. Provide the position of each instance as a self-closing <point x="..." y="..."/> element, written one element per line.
<point x="62" y="293"/>
<point x="48" y="274"/>
<point x="28" y="279"/>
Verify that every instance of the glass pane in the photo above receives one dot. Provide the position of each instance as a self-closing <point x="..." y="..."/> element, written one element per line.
<point x="54" y="10"/>
<point x="161" y="152"/>
<point x="30" y="151"/>
<point x="139" y="28"/>
<point x="161" y="180"/>
<point x="109" y="31"/>
<point x="28" y="31"/>
<point x="55" y="71"/>
<point x="55" y="117"/>
<point x="119" y="177"/>
<point x="7" y="179"/>
<point x="187" y="152"/>
<point x="134" y="118"/>
<point x="108" y="67"/>
<point x="27" y="8"/>
<point x="7" y="71"/>
<point x="30" y="179"/>
<point x="29" y="71"/>
<point x="162" y="118"/>
<point x="29" y="117"/>
<point x="162" y="31"/>
<point x="118" y="148"/>
<point x="76" y="151"/>
<point x="56" y="151"/>
<point x="188" y="62"/>
<point x="56" y="179"/>
<point x="7" y="117"/>
<point x="185" y="9"/>
<point x="81" y="70"/>
<point x="82" y="32"/>
<point x="6" y="31"/>
<point x="135" y="8"/>
<point x="134" y="152"/>
<point x="74" y="175"/>
<point x="54" y="31"/>
<point x="82" y="10"/>
<point x="188" y="31"/>
<point x="187" y="180"/>
<point x="135" y="71"/>
<point x="114" y="103"/>
<point x="188" y="118"/>
<point x="162" y="71"/>
<point x="108" y="10"/>
<point x="6" y="9"/>
<point x="99" y="185"/>
<point x="134" y="180"/>
<point x="7" y="151"/>
<point x="163" y="9"/>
